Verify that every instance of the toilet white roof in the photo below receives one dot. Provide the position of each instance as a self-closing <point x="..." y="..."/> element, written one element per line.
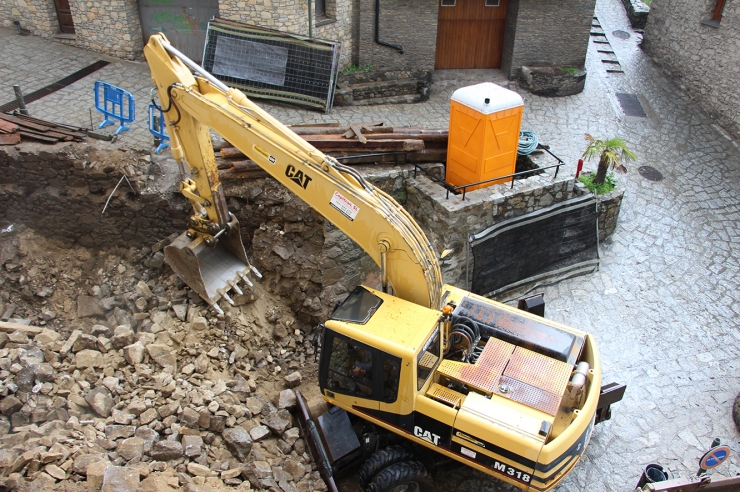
<point x="499" y="98"/>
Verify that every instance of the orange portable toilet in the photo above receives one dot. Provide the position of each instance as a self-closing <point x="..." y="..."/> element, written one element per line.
<point x="485" y="120"/>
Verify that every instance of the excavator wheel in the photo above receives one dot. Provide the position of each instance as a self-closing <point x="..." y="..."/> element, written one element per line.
<point x="381" y="459"/>
<point x="736" y="412"/>
<point x="406" y="476"/>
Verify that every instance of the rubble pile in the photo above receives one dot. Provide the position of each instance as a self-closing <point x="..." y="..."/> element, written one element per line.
<point x="115" y="376"/>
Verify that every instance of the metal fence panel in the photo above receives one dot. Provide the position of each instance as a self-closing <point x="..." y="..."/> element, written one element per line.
<point x="272" y="64"/>
<point x="558" y="241"/>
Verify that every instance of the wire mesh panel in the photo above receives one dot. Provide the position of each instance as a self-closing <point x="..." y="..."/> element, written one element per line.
<point x="558" y="241"/>
<point x="272" y="64"/>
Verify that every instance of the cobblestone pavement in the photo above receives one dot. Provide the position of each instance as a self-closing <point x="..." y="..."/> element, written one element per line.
<point x="663" y="306"/>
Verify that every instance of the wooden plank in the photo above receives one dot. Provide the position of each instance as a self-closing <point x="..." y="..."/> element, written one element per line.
<point x="57" y="126"/>
<point x="50" y="134"/>
<point x="338" y="130"/>
<point x="11" y="327"/>
<point x="8" y="127"/>
<point x="39" y="137"/>
<point x="357" y="131"/>
<point x="27" y="124"/>
<point x="10" y="138"/>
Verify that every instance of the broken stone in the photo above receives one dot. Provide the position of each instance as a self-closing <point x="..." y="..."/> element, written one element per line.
<point x="163" y="355"/>
<point x="10" y="405"/>
<point x="199" y="323"/>
<point x="201" y="363"/>
<point x="199" y="470"/>
<point x="238" y="441"/>
<point x="149" y="436"/>
<point x="189" y="417"/>
<point x="259" y="433"/>
<point x="122" y="336"/>
<point x="88" y="306"/>
<point x="55" y="472"/>
<point x="101" y="401"/>
<point x="95" y="473"/>
<point x="32" y="356"/>
<point x="134" y="353"/>
<point x="88" y="358"/>
<point x="291" y="435"/>
<point x="120" y="479"/>
<point x="18" y="337"/>
<point x="295" y="469"/>
<point x="262" y="469"/>
<point x="287" y="400"/>
<point x="278" y="421"/>
<point x="279" y="331"/>
<point x="293" y="379"/>
<point x="192" y="446"/>
<point x="81" y="462"/>
<point x="169" y="409"/>
<point x="148" y="416"/>
<point x="166" y="450"/>
<point x="85" y="342"/>
<point x="131" y="448"/>
<point x="47" y="337"/>
<point x="114" y="432"/>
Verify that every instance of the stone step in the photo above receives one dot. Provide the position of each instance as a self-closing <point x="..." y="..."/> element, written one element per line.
<point x="385" y="88"/>
<point x="402" y="99"/>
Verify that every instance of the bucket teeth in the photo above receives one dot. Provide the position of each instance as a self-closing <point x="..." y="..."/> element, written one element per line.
<point x="235" y="287"/>
<point x="246" y="279"/>
<point x="224" y="295"/>
<point x="256" y="272"/>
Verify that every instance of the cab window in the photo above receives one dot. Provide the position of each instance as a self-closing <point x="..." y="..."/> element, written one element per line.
<point x="428" y="359"/>
<point x="350" y="369"/>
<point x="356" y="369"/>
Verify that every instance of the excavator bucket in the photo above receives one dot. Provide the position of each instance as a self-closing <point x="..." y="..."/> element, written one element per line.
<point x="211" y="271"/>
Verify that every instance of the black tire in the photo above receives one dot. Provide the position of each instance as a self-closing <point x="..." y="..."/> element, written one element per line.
<point x="736" y="412"/>
<point x="381" y="459"/>
<point x="406" y="476"/>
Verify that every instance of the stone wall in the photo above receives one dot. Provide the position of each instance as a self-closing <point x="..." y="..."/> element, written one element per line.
<point x="292" y="16"/>
<point x="111" y="27"/>
<point x="61" y="191"/>
<point x="38" y="16"/>
<point x="409" y="23"/>
<point x="704" y="60"/>
<point x="547" y="33"/>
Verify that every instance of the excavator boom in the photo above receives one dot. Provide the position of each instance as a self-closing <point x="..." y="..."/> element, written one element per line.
<point x="370" y="217"/>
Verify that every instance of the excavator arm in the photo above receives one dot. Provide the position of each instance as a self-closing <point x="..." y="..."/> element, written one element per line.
<point x="375" y="221"/>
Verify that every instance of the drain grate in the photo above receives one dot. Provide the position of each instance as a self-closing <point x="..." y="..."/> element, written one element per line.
<point x="650" y="173"/>
<point x="631" y="105"/>
<point x="59" y="84"/>
<point x="621" y="34"/>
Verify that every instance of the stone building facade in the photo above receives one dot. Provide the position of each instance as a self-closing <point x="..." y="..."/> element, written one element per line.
<point x="552" y="33"/>
<point x="111" y="27"/>
<point x="703" y="56"/>
<point x="536" y="32"/>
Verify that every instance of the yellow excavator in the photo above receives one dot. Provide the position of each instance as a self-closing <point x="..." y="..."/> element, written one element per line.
<point x="416" y="373"/>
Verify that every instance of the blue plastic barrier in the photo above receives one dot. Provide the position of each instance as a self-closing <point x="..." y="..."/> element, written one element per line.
<point x="114" y="103"/>
<point x="157" y="128"/>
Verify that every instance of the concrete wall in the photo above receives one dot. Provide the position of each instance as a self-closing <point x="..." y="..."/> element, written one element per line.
<point x="111" y="27"/>
<point x="546" y="32"/>
<point x="409" y="23"/>
<point x="704" y="60"/>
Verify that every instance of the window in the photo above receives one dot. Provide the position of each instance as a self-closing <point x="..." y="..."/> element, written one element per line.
<point x="717" y="15"/>
<point x="358" y="307"/>
<point x="320" y="9"/>
<point x="447" y="3"/>
<point x="391" y="375"/>
<point x="350" y="369"/>
<point x="427" y="360"/>
<point x="493" y="3"/>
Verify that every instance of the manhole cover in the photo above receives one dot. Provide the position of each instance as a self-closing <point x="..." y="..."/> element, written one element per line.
<point x="621" y="34"/>
<point x="631" y="105"/>
<point x="650" y="173"/>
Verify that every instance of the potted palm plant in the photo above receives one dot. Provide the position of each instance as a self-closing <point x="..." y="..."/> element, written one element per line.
<point x="612" y="154"/>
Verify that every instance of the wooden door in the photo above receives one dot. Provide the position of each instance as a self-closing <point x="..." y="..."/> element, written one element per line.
<point x="470" y="34"/>
<point x="64" y="14"/>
